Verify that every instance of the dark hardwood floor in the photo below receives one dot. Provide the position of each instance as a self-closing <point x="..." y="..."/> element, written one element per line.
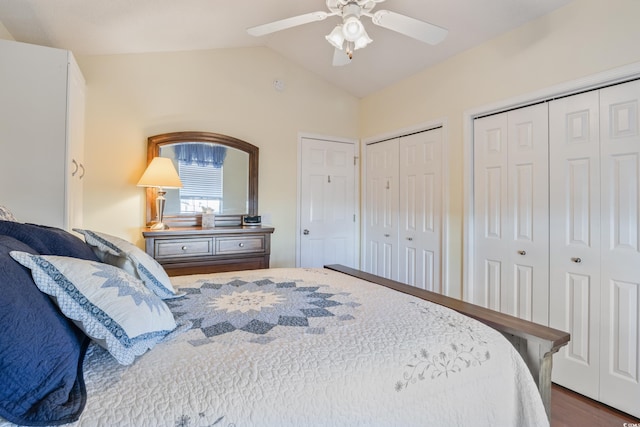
<point x="569" y="409"/>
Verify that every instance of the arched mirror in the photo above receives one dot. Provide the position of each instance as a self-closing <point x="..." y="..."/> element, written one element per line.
<point x="218" y="172"/>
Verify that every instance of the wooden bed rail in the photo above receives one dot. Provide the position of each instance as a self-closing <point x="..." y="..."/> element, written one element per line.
<point x="535" y="343"/>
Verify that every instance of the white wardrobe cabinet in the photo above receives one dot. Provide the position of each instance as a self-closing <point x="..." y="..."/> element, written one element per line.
<point x="404" y="208"/>
<point x="42" y="105"/>
<point x="595" y="243"/>
<point x="511" y="223"/>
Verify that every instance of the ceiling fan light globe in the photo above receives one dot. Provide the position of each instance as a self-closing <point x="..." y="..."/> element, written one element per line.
<point x="336" y="38"/>
<point x="362" y="41"/>
<point x="352" y="29"/>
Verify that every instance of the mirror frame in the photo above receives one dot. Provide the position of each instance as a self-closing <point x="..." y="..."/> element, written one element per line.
<point x="155" y="142"/>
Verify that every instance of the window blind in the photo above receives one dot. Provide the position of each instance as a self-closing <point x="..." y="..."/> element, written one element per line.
<point x="200" y="182"/>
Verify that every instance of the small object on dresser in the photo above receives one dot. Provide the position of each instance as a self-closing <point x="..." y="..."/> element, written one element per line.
<point x="252" y="220"/>
<point x="208" y="218"/>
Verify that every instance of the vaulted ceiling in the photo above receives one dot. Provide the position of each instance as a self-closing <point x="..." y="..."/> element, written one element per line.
<point x="94" y="27"/>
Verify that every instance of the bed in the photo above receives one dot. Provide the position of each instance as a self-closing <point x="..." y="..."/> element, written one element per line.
<point x="275" y="347"/>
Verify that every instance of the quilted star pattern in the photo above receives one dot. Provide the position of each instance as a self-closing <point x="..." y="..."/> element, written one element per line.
<point x="257" y="307"/>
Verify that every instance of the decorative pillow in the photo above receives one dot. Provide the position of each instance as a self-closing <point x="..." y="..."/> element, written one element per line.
<point x="116" y="251"/>
<point x="6" y="215"/>
<point x="48" y="240"/>
<point x="112" y="307"/>
<point x="41" y="351"/>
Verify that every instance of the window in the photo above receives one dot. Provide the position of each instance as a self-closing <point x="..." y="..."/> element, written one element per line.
<point x="201" y="187"/>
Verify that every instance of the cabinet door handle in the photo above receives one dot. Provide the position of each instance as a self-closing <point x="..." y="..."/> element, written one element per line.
<point x="577" y="260"/>
<point x="522" y="252"/>
<point x="305" y="232"/>
<point x="184" y="248"/>
<point x="410" y="238"/>
<point x="81" y="174"/>
<point x="386" y="235"/>
<point x="241" y="245"/>
<point x="75" y="166"/>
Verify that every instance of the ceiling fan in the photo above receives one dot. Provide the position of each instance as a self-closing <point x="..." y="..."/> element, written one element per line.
<point x="351" y="35"/>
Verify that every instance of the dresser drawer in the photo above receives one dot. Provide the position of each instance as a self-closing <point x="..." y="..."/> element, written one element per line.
<point x="179" y="248"/>
<point x="234" y="245"/>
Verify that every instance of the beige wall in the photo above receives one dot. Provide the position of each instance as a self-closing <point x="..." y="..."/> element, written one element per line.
<point x="581" y="39"/>
<point x="130" y="97"/>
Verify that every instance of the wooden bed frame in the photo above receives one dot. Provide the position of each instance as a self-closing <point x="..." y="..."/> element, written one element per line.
<point x="535" y="343"/>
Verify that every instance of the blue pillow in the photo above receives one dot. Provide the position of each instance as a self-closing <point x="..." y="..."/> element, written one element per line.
<point x="41" y="351"/>
<point x="48" y="240"/>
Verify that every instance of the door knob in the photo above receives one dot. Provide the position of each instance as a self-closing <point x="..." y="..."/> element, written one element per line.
<point x="576" y="260"/>
<point x="305" y="232"/>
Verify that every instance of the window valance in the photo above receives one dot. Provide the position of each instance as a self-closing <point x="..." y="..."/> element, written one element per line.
<point x="201" y="154"/>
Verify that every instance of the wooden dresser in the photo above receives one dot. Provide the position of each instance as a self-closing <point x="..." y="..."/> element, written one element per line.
<point x="194" y="250"/>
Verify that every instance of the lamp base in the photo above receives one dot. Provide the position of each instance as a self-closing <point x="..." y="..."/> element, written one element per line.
<point x="159" y="226"/>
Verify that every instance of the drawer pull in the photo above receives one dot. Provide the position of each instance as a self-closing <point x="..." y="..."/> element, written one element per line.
<point x="241" y="245"/>
<point x="576" y="260"/>
<point x="184" y="248"/>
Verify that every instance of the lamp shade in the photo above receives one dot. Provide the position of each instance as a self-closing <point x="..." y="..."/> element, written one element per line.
<point x="160" y="173"/>
<point x="336" y="38"/>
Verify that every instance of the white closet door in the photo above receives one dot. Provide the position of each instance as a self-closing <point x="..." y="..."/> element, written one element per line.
<point x="575" y="238"/>
<point x="491" y="220"/>
<point x="420" y="206"/>
<point x="620" y="250"/>
<point x="527" y="289"/>
<point x="511" y="213"/>
<point x="381" y="208"/>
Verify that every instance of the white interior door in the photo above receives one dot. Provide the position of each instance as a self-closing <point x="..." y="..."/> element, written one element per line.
<point x="491" y="220"/>
<point x="327" y="203"/>
<point x="575" y="238"/>
<point x="420" y="180"/>
<point x="620" y="247"/>
<point x="511" y="223"/>
<point x="381" y="209"/>
<point x="527" y="288"/>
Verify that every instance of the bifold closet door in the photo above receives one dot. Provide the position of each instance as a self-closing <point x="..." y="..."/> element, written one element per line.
<point x="620" y="247"/>
<point x="595" y="243"/>
<point x="381" y="210"/>
<point x="420" y="210"/>
<point x="574" y="163"/>
<point x="511" y="234"/>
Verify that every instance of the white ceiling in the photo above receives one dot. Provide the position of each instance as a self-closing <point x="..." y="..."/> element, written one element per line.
<point x="134" y="26"/>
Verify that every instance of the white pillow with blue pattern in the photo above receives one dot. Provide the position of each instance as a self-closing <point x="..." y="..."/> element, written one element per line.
<point x="121" y="253"/>
<point x="112" y="307"/>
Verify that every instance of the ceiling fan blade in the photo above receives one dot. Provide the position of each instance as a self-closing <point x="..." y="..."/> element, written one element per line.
<point x="340" y="58"/>
<point x="419" y="30"/>
<point x="283" y="24"/>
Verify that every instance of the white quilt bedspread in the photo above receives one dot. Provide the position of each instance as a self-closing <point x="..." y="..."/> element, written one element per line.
<point x="312" y="347"/>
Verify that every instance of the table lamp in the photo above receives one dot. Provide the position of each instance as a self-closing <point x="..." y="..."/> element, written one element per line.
<point x="160" y="173"/>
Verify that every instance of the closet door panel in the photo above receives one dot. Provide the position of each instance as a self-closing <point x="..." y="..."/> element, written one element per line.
<point x="420" y="207"/>
<point x="491" y="220"/>
<point x="528" y="206"/>
<point x="620" y="252"/>
<point x="382" y="209"/>
<point x="511" y="224"/>
<point x="574" y="261"/>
